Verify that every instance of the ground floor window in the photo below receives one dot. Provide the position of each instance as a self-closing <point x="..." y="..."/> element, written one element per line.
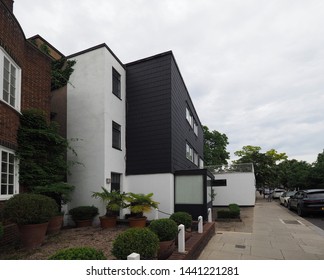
<point x="8" y="171"/>
<point x="115" y="181"/>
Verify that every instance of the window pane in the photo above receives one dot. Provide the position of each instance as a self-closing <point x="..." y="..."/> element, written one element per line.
<point x="116" y="83"/>
<point x="3" y="189"/>
<point x="11" y="189"/>
<point x="116" y="136"/>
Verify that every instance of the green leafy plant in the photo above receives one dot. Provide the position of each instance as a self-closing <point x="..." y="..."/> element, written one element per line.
<point x="140" y="203"/>
<point x="29" y="208"/>
<point x="79" y="253"/>
<point x="61" y="72"/>
<point x="165" y="228"/>
<point x="83" y="213"/>
<point x="233" y="212"/>
<point x="115" y="201"/>
<point x="182" y="218"/>
<point x="140" y="240"/>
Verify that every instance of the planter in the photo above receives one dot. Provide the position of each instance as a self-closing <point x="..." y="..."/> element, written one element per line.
<point x="83" y="223"/>
<point x="55" y="224"/>
<point x="137" y="222"/>
<point x="32" y="236"/>
<point x="166" y="249"/>
<point x="108" y="222"/>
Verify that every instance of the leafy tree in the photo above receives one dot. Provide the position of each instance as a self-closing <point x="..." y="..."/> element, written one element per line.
<point x="215" y="147"/>
<point x="294" y="174"/>
<point x="316" y="176"/>
<point x="265" y="164"/>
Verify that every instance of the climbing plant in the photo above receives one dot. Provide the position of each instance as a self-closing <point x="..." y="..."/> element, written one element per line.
<point x="42" y="156"/>
<point x="61" y="72"/>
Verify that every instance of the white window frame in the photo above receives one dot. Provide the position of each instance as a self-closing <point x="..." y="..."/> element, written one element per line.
<point x="17" y="83"/>
<point x="189" y="117"/>
<point x="195" y="158"/>
<point x="4" y="174"/>
<point x="189" y="152"/>
<point x="201" y="163"/>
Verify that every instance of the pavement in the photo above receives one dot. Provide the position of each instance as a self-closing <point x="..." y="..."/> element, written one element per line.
<point x="268" y="231"/>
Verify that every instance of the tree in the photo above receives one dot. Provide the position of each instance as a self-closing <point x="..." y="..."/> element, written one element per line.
<point x="265" y="164"/>
<point x="294" y="174"/>
<point x="316" y="176"/>
<point x="215" y="147"/>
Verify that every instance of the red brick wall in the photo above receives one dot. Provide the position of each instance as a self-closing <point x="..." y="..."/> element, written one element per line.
<point x="36" y="77"/>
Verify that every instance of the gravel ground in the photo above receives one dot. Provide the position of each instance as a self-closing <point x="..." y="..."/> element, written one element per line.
<point x="67" y="238"/>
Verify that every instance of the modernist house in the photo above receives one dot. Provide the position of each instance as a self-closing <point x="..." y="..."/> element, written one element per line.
<point x="24" y="83"/>
<point x="135" y="127"/>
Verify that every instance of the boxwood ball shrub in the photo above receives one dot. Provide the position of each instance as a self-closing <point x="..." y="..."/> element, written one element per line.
<point x="136" y="240"/>
<point x="182" y="218"/>
<point x="83" y="213"/>
<point x="78" y="253"/>
<point x="165" y="228"/>
<point x="30" y="208"/>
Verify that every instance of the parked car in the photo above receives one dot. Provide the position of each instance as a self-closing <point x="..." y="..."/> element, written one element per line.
<point x="284" y="197"/>
<point x="277" y="193"/>
<point x="307" y="201"/>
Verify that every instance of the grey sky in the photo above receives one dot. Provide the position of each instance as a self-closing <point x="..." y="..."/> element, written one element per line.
<point x="254" y="68"/>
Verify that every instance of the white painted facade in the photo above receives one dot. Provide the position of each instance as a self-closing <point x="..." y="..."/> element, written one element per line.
<point x="239" y="189"/>
<point x="161" y="185"/>
<point x="91" y="109"/>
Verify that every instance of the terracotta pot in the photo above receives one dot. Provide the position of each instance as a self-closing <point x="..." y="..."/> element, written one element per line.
<point x="55" y="224"/>
<point x="32" y="236"/>
<point x="166" y="249"/>
<point x="108" y="222"/>
<point x="137" y="222"/>
<point x="83" y="223"/>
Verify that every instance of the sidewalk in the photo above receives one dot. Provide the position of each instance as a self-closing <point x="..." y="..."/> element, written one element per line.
<point x="268" y="231"/>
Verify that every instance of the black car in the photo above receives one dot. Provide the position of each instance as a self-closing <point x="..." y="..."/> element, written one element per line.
<point x="307" y="201"/>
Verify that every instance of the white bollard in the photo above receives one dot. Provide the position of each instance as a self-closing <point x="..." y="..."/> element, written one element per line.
<point x="156" y="214"/>
<point x="134" y="257"/>
<point x="181" y="239"/>
<point x="200" y="224"/>
<point x="210" y="216"/>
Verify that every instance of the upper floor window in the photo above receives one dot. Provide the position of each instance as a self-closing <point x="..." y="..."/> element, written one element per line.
<point x="116" y="83"/>
<point x="116" y="135"/>
<point x="189" y="152"/>
<point x="8" y="171"/>
<point x="189" y="117"/>
<point x="10" y="80"/>
<point x="195" y="128"/>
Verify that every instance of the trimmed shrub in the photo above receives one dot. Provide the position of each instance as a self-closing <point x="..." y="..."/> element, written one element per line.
<point x="83" y="213"/>
<point x="233" y="212"/>
<point x="79" y="253"/>
<point x="142" y="241"/>
<point x="30" y="208"/>
<point x="182" y="218"/>
<point x="166" y="229"/>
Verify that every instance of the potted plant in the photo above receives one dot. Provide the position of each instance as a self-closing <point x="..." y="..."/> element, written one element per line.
<point x="31" y="212"/>
<point x="167" y="231"/>
<point x="140" y="240"/>
<point x="83" y="215"/>
<point x="139" y="204"/>
<point x="115" y="201"/>
<point x="61" y="193"/>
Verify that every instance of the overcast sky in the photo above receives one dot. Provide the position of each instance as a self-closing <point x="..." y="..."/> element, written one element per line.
<point x="254" y="68"/>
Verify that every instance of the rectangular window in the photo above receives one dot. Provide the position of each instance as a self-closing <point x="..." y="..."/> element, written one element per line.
<point x="9" y="81"/>
<point x="201" y="163"/>
<point x="189" y="117"/>
<point x="8" y="174"/>
<point x="115" y="181"/>
<point x="196" y="158"/>
<point x="195" y="128"/>
<point x="116" y="83"/>
<point x="116" y="135"/>
<point x="189" y="152"/>
<point x="220" y="183"/>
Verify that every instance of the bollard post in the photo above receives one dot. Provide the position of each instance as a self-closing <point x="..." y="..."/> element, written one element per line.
<point x="200" y="224"/>
<point x="181" y="239"/>
<point x="210" y="217"/>
<point x="156" y="214"/>
<point x="134" y="257"/>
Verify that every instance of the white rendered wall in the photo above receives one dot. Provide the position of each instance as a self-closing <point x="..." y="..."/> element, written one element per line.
<point x="240" y="189"/>
<point x="161" y="185"/>
<point x="91" y="108"/>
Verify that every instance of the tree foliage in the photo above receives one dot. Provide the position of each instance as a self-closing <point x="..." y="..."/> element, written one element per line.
<point x="61" y="72"/>
<point x="215" y="144"/>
